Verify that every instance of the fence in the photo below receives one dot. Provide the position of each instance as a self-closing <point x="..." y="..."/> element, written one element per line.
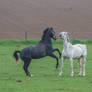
<point x="19" y="35"/>
<point x="36" y="35"/>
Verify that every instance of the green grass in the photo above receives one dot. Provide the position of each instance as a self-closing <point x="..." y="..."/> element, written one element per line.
<point x="46" y="77"/>
<point x="32" y="41"/>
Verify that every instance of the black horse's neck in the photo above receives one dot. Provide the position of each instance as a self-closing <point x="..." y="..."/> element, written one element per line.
<point x="46" y="39"/>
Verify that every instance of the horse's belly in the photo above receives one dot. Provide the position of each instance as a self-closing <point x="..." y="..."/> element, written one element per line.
<point x="37" y="55"/>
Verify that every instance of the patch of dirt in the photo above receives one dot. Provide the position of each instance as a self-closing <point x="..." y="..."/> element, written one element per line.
<point x="18" y="81"/>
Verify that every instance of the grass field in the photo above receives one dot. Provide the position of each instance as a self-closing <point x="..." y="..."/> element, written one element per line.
<point x="46" y="77"/>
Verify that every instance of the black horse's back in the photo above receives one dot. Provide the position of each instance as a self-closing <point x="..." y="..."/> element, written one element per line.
<point x="35" y="51"/>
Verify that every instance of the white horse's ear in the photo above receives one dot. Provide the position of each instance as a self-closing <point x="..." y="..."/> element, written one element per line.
<point x="68" y="36"/>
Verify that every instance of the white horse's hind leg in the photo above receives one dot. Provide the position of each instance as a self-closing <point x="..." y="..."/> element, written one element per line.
<point x="79" y="60"/>
<point x="62" y="66"/>
<point x="71" y="63"/>
<point x="84" y="60"/>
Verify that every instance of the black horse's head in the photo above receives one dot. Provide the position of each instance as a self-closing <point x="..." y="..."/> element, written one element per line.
<point x="50" y="32"/>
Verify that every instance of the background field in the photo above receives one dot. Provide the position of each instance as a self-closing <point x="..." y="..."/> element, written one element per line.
<point x="46" y="77"/>
<point x="33" y="16"/>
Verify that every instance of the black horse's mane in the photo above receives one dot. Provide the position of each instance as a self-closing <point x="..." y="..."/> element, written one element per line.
<point x="44" y="33"/>
<point x="45" y="30"/>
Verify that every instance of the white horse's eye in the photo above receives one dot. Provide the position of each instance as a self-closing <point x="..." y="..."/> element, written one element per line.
<point x="60" y="35"/>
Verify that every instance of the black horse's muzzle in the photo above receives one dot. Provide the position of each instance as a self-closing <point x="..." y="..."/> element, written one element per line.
<point x="54" y="37"/>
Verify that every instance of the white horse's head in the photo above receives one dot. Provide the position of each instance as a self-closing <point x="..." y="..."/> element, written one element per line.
<point x="64" y="35"/>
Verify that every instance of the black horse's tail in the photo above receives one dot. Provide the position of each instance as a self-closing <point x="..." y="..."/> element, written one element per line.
<point x="15" y="54"/>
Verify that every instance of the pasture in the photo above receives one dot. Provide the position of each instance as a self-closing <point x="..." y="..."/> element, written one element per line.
<point x="46" y="79"/>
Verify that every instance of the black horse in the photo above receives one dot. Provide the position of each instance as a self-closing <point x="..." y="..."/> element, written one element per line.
<point x="42" y="49"/>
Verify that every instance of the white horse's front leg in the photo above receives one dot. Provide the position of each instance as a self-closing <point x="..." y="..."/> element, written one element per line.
<point x="62" y="66"/>
<point x="71" y="63"/>
<point x="84" y="60"/>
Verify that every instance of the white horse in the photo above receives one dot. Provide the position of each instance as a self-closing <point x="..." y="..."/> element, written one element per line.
<point x="70" y="51"/>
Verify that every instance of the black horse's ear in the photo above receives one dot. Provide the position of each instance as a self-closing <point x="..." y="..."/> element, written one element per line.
<point x="45" y="30"/>
<point x="51" y="28"/>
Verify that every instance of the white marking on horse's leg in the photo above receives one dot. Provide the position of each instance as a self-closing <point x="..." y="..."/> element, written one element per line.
<point x="71" y="63"/>
<point x="62" y="66"/>
<point x="79" y="60"/>
<point x="32" y="75"/>
<point x="84" y="60"/>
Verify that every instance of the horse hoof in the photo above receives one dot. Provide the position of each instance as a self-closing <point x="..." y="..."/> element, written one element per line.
<point x="29" y="75"/>
<point x="32" y="75"/>
<point x="83" y="74"/>
<point x="60" y="74"/>
<point x="80" y="74"/>
<point x="72" y="75"/>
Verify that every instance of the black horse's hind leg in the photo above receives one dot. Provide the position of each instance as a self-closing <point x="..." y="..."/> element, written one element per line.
<point x="57" y="51"/>
<point x="52" y="55"/>
<point x="25" y="67"/>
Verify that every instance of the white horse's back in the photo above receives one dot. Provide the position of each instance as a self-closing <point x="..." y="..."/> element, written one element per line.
<point x="83" y="48"/>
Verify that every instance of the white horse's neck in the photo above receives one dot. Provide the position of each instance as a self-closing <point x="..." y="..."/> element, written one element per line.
<point x="66" y="44"/>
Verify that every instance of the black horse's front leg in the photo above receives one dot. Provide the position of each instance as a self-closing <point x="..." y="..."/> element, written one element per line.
<point x="52" y="55"/>
<point x="57" y="51"/>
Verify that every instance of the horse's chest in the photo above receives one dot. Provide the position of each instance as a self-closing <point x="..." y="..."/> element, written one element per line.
<point x="66" y="53"/>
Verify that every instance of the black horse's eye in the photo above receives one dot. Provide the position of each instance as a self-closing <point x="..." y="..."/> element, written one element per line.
<point x="52" y="33"/>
